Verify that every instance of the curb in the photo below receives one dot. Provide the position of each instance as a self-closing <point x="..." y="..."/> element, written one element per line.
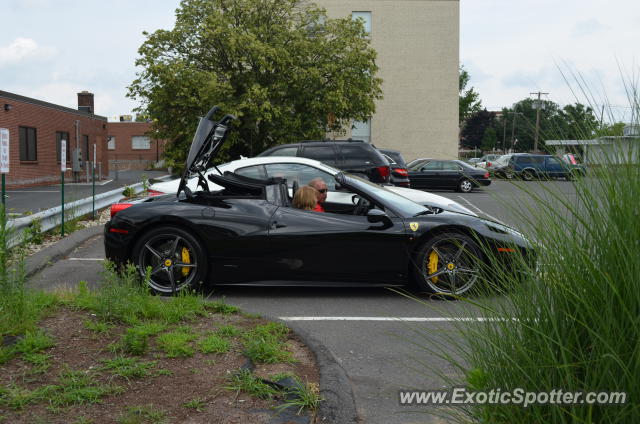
<point x="339" y="404"/>
<point x="40" y="260"/>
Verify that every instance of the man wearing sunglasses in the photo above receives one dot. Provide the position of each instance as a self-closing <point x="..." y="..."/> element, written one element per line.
<point x="321" y="188"/>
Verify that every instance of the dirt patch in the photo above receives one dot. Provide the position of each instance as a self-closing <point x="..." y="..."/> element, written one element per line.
<point x="176" y="390"/>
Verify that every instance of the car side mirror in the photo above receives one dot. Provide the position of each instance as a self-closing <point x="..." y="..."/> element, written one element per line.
<point x="377" y="215"/>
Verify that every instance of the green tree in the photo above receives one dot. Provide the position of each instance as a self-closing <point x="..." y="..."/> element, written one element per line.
<point x="489" y="139"/>
<point x="281" y="66"/>
<point x="468" y="102"/>
<point x="609" y="130"/>
<point x="475" y="127"/>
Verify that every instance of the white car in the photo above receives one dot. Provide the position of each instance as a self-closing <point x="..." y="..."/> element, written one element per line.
<point x="302" y="171"/>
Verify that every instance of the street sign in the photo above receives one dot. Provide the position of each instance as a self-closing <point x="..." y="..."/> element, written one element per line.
<point x="63" y="155"/>
<point x="4" y="150"/>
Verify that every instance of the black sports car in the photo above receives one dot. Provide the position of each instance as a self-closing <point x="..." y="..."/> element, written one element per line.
<point x="249" y="233"/>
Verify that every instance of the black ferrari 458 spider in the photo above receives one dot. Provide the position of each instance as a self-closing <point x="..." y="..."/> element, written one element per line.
<point x="246" y="231"/>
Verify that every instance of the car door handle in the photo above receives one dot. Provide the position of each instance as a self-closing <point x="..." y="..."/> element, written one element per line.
<point x="276" y="225"/>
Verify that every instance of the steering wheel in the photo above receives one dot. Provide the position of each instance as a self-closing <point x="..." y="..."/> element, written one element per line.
<point x="361" y="207"/>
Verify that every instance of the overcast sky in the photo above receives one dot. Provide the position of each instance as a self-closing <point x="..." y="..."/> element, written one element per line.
<point x="51" y="49"/>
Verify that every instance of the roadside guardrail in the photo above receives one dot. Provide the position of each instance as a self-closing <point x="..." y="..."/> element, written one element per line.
<point x="52" y="217"/>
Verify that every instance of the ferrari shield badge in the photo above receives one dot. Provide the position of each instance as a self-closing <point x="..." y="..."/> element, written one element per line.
<point x="414" y="226"/>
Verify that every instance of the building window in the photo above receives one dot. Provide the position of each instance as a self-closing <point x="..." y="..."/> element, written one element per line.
<point x="111" y="143"/>
<point x="140" y="142"/>
<point x="62" y="135"/>
<point x="366" y="17"/>
<point x="28" y="144"/>
<point x="361" y="130"/>
<point x="85" y="147"/>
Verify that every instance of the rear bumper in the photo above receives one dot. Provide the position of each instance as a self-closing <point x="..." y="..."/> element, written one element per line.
<point x="116" y="246"/>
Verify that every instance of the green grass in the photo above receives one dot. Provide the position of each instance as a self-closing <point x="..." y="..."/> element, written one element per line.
<point x="40" y="362"/>
<point x="100" y="327"/>
<point x="198" y="404"/>
<point x="213" y="344"/>
<point x="129" y="367"/>
<point x="266" y="343"/>
<point x="305" y="396"/>
<point x="244" y="381"/>
<point x="78" y="387"/>
<point x="177" y="344"/>
<point x="229" y="331"/>
<point x="220" y="307"/>
<point x="143" y="415"/>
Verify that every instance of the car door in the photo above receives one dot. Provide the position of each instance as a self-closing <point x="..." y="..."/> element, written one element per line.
<point x="336" y="248"/>
<point x="554" y="168"/>
<point x="427" y="175"/>
<point x="450" y="174"/>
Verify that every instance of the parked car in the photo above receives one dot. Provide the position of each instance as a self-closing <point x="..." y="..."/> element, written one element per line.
<point x="354" y="156"/>
<point x="399" y="173"/>
<point x="415" y="162"/>
<point x="247" y="232"/>
<point x="571" y="160"/>
<point x="529" y="166"/>
<point x="486" y="161"/>
<point x="300" y="171"/>
<point x="447" y="174"/>
<point x="500" y="167"/>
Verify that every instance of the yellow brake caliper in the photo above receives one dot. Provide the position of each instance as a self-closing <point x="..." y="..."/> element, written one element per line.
<point x="186" y="258"/>
<point x="432" y="265"/>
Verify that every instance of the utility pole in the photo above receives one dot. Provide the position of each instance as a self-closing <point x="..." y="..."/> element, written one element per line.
<point x="513" y="128"/>
<point x="538" y="107"/>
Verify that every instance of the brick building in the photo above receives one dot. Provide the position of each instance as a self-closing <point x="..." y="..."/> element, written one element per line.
<point x="35" y="130"/>
<point x="131" y="145"/>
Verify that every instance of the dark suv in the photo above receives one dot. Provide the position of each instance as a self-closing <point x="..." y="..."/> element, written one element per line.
<point x="353" y="156"/>
<point x="528" y="167"/>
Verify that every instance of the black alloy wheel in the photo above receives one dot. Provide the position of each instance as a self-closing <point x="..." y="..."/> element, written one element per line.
<point x="448" y="264"/>
<point x="176" y="259"/>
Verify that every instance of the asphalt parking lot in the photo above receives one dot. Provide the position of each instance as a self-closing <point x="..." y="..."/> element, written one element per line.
<point x="374" y="333"/>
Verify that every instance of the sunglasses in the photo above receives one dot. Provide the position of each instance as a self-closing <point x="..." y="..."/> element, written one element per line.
<point x="324" y="190"/>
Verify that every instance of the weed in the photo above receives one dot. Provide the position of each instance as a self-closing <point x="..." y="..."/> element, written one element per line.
<point x="16" y="397"/>
<point x="265" y="343"/>
<point x="220" y="307"/>
<point x="83" y="420"/>
<point x="244" y="381"/>
<point x="143" y="415"/>
<point x="303" y="396"/>
<point x="198" y="404"/>
<point x="228" y="331"/>
<point x="129" y="367"/>
<point x="163" y="371"/>
<point x="128" y="191"/>
<point x="176" y="344"/>
<point x="41" y="361"/>
<point x="78" y="387"/>
<point x="33" y="233"/>
<point x="34" y="341"/>
<point x="214" y="344"/>
<point x="281" y="376"/>
<point x="134" y="342"/>
<point x="98" y="326"/>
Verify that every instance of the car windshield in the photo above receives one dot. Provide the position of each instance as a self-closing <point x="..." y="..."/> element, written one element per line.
<point x="401" y="204"/>
<point x="503" y="160"/>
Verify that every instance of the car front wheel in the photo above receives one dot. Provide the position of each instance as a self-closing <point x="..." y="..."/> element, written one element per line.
<point x="528" y="175"/>
<point x="448" y="264"/>
<point x="465" y="186"/>
<point x="175" y="259"/>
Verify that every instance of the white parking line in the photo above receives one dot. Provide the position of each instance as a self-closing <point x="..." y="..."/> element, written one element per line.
<point x="412" y="319"/>
<point x="86" y="259"/>
<point x="481" y="211"/>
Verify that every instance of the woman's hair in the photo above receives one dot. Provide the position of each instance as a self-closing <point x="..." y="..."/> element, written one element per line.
<point x="305" y="198"/>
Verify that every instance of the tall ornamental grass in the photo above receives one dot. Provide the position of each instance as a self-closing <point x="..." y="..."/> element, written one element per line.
<point x="572" y="320"/>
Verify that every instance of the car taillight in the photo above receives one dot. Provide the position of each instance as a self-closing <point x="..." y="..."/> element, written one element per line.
<point x="117" y="207"/>
<point x="486" y="175"/>
<point x="155" y="193"/>
<point x="488" y="163"/>
<point x="384" y="172"/>
<point x="401" y="171"/>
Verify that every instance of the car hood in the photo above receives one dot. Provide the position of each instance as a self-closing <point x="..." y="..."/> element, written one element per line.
<point x="206" y="143"/>
<point x="429" y="199"/>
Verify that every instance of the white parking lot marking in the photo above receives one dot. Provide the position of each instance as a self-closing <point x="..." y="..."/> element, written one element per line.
<point x="86" y="259"/>
<point x="412" y="319"/>
<point x="481" y="211"/>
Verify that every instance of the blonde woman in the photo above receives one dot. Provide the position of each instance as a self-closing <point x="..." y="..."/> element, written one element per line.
<point x="305" y="198"/>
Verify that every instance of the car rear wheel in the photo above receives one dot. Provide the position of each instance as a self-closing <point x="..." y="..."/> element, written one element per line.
<point x="448" y="264"/>
<point x="465" y="186"/>
<point x="176" y="259"/>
